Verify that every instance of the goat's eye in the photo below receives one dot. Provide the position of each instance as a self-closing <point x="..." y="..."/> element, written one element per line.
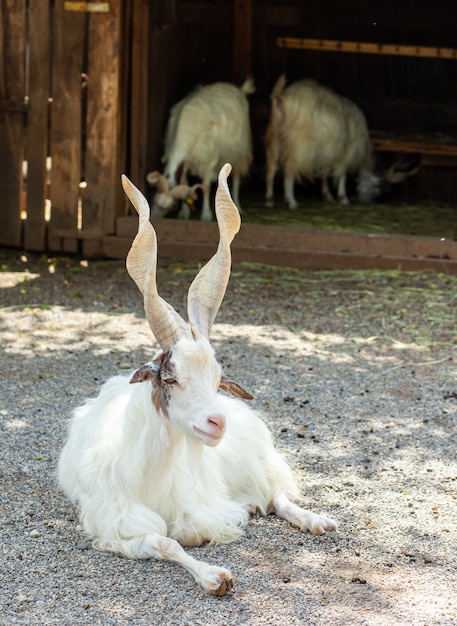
<point x="169" y="380"/>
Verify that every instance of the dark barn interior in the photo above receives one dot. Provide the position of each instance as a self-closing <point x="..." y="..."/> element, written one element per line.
<point x="406" y="83"/>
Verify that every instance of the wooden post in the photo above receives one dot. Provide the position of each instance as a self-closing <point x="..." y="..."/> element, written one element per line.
<point x="105" y="125"/>
<point x="68" y="48"/>
<point x="37" y="125"/>
<point x="139" y="77"/>
<point x="12" y="83"/>
<point x="242" y="40"/>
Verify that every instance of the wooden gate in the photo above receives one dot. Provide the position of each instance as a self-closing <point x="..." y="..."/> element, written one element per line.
<point x="62" y="121"/>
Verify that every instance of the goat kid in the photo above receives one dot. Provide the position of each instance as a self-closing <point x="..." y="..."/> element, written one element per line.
<point x="164" y="199"/>
<point x="315" y="133"/>
<point x="207" y="128"/>
<point x="161" y="459"/>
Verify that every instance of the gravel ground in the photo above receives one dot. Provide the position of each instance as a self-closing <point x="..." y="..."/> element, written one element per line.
<point x="355" y="373"/>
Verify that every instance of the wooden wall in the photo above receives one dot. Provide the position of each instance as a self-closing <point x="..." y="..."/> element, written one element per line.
<point x="93" y="92"/>
<point x="61" y="104"/>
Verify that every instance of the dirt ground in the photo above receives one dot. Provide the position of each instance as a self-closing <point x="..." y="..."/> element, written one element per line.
<point x="355" y="374"/>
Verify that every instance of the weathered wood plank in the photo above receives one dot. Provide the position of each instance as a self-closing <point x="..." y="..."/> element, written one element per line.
<point x="68" y="49"/>
<point x="242" y="40"/>
<point x="277" y="238"/>
<point x="105" y="123"/>
<point x="118" y="247"/>
<point x="139" y="72"/>
<point x="165" y="64"/>
<point x="392" y="144"/>
<point x="37" y="124"/>
<point x="361" y="47"/>
<point x="12" y="80"/>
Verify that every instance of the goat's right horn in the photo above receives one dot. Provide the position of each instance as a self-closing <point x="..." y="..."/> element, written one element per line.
<point x="166" y="324"/>
<point x="208" y="287"/>
<point x="158" y="181"/>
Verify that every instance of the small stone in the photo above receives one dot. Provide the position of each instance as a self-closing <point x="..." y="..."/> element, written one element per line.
<point x="124" y="365"/>
<point x="82" y="545"/>
<point x="35" y="533"/>
<point x="359" y="580"/>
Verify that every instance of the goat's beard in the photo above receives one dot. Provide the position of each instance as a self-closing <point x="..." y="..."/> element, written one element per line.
<point x="195" y="451"/>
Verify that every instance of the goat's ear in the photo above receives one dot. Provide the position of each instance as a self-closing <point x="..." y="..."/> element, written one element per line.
<point x="230" y="386"/>
<point x="145" y="372"/>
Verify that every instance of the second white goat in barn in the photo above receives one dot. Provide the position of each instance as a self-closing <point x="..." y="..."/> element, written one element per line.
<point x="315" y="133"/>
<point x="168" y="461"/>
<point x="207" y="128"/>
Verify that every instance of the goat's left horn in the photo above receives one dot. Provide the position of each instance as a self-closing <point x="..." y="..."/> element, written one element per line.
<point x="208" y="288"/>
<point x="166" y="324"/>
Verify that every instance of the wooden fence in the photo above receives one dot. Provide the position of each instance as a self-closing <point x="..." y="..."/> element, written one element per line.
<point x="62" y="121"/>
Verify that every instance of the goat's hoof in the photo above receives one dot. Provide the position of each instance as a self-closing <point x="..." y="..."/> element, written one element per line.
<point x="321" y="524"/>
<point x="219" y="583"/>
<point x="225" y="586"/>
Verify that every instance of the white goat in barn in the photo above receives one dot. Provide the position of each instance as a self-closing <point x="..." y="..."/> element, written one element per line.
<point x="170" y="462"/>
<point x="315" y="133"/>
<point x="207" y="128"/>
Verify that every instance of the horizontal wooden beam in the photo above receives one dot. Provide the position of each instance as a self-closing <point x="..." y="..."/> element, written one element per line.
<point x="88" y="7"/>
<point x="118" y="247"/>
<point x="281" y="246"/>
<point x="392" y="144"/>
<point x="330" y="45"/>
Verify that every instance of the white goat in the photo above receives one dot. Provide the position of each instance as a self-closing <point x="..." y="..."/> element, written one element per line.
<point x="170" y="462"/>
<point x="207" y="128"/>
<point x="164" y="199"/>
<point x="314" y="132"/>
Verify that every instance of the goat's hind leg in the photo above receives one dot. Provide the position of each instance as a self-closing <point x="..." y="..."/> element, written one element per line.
<point x="303" y="519"/>
<point x="215" y="580"/>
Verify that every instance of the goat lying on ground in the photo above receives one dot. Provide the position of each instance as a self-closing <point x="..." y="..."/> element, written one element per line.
<point x="315" y="133"/>
<point x="164" y="199"/>
<point x="168" y="461"/>
<point x="207" y="128"/>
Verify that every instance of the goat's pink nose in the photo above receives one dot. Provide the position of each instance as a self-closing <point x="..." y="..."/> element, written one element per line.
<point x="217" y="420"/>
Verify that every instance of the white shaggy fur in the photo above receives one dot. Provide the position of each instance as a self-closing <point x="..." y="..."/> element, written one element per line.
<point x="316" y="133"/>
<point x="139" y="476"/>
<point x="161" y="459"/>
<point x="206" y="129"/>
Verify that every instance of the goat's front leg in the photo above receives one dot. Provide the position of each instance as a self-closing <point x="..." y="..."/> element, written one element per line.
<point x="215" y="580"/>
<point x="207" y="214"/>
<point x="326" y="193"/>
<point x="236" y="190"/>
<point x="272" y="165"/>
<point x="303" y="519"/>
<point x="342" y="197"/>
<point x="289" y="182"/>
